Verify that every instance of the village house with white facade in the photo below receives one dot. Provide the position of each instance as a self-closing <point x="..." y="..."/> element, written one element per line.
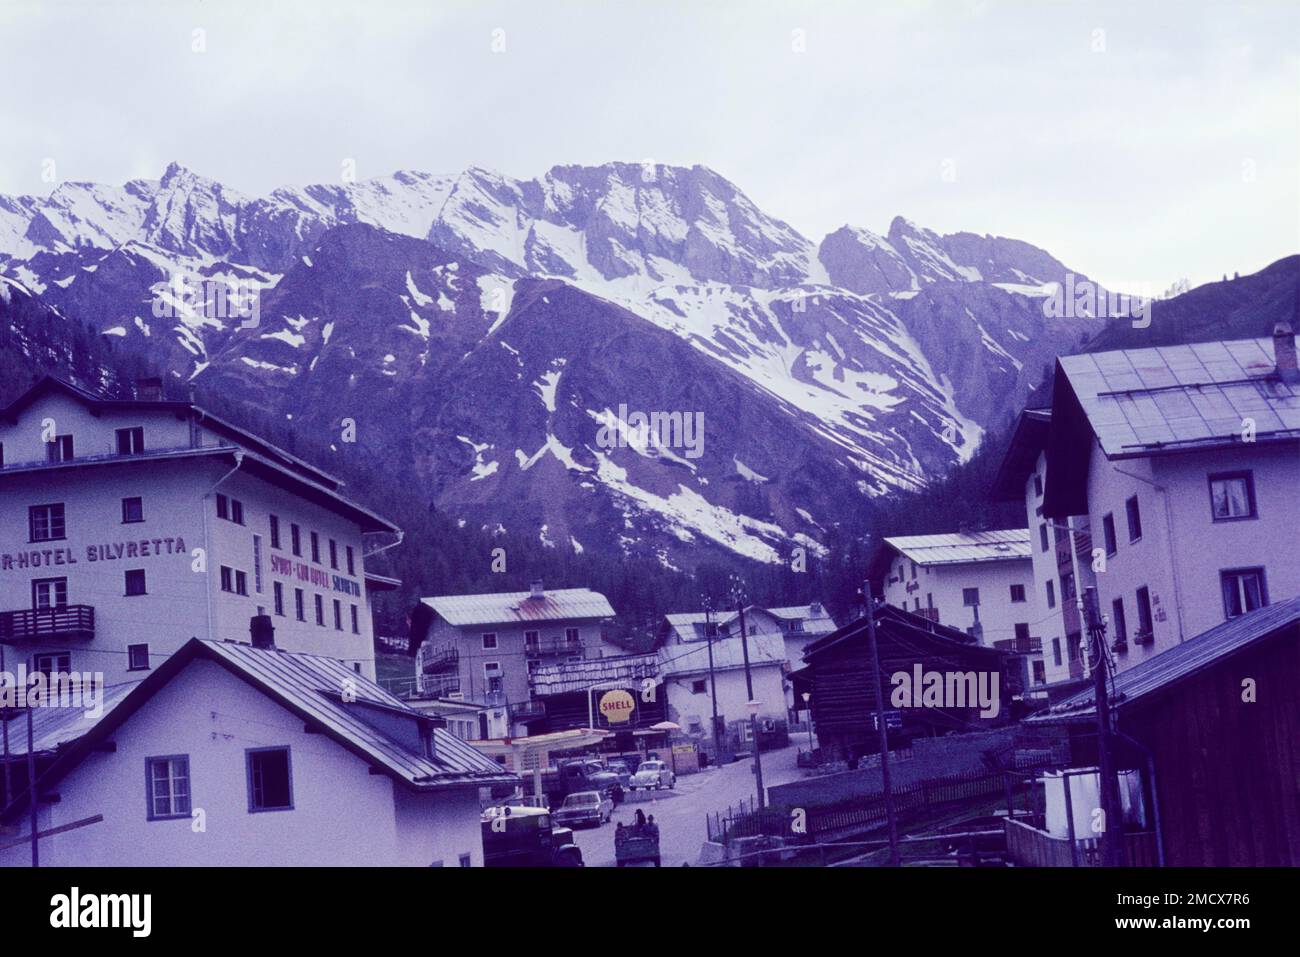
<point x="131" y="526"/>
<point x="977" y="582"/>
<point x="1183" y="460"/>
<point x="485" y="648"/>
<point x="230" y="754"/>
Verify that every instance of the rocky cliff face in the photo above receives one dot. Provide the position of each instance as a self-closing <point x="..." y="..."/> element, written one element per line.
<point x="483" y="334"/>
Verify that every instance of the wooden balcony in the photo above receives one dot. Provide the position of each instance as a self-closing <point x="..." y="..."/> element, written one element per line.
<point x="38" y="624"/>
<point x="1020" y="646"/>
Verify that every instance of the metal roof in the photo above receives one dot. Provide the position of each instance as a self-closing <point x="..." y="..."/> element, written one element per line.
<point x="500" y="608"/>
<point x="312" y="684"/>
<point x="689" y="626"/>
<point x="728" y="655"/>
<point x="55" y="727"/>
<point x="1187" y="396"/>
<point x="961" y="547"/>
<point x="1181" y="661"/>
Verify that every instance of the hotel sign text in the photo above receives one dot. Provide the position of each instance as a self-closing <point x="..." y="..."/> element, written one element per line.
<point x="111" y="551"/>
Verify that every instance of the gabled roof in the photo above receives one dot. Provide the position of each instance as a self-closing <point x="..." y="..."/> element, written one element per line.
<point x="502" y="608"/>
<point x="53" y="728"/>
<point x="1021" y="457"/>
<point x="690" y="626"/>
<point x="310" y="687"/>
<point x="99" y="404"/>
<point x="1183" y="661"/>
<point x="906" y="623"/>
<point x="254" y="454"/>
<point x="961" y="547"/>
<point x="1140" y="401"/>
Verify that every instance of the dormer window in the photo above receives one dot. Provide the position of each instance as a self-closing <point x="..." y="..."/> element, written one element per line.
<point x="130" y="441"/>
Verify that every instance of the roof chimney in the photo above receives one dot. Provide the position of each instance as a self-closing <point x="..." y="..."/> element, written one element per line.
<point x="539" y="592"/>
<point x="149" y="390"/>
<point x="815" y="607"/>
<point x="1284" y="353"/>
<point x="262" y="630"/>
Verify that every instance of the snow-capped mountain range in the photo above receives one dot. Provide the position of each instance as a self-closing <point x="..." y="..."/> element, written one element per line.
<point x="483" y="332"/>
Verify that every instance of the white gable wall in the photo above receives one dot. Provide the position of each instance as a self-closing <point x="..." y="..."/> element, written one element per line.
<point x="342" y="814"/>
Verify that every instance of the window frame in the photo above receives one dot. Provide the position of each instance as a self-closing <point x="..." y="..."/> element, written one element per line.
<point x="1246" y="475"/>
<point x="967" y="594"/>
<point x="496" y="644"/>
<point x="1023" y="596"/>
<point x="126" y="520"/>
<point x="150" y="815"/>
<point x="130" y="657"/>
<point x="248" y="774"/>
<point x="54" y="582"/>
<point x="1110" y="539"/>
<point x="131" y="433"/>
<point x="1133" y="517"/>
<point x="32" y="511"/>
<point x="1238" y="574"/>
<point x="274" y="523"/>
<point x="127" y="579"/>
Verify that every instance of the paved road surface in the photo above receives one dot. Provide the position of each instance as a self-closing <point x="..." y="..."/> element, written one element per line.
<point x="680" y="813"/>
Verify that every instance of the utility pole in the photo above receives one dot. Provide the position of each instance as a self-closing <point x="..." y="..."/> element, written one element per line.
<point x="749" y="689"/>
<point x="4" y="725"/>
<point x="31" y="787"/>
<point x="877" y="681"/>
<point x="1112" y="843"/>
<point x="713" y="678"/>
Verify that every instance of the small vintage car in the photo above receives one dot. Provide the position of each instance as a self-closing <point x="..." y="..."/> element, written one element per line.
<point x="591" y="808"/>
<point x="653" y="775"/>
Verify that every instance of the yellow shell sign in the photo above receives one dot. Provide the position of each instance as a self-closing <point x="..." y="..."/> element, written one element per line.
<point x="617" y="706"/>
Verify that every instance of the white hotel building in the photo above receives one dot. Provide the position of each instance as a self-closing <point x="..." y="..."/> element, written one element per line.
<point x="1186" y="461"/>
<point x="128" y="527"/>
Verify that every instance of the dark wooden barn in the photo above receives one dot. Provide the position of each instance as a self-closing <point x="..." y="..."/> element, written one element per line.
<point x="1214" y="723"/>
<point x="838" y="677"/>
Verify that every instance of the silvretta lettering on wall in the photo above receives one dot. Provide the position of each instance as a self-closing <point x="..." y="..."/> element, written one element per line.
<point x="111" y="551"/>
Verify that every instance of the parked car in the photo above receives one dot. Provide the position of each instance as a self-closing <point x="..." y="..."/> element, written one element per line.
<point x="619" y="768"/>
<point x="585" y="807"/>
<point x="653" y="775"/>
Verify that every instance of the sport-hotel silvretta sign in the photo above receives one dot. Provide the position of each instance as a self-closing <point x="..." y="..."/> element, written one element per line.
<point x="304" y="572"/>
<point x="111" y="551"/>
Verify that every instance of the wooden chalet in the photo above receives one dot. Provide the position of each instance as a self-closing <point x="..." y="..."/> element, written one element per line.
<point x="838" y="673"/>
<point x="1213" y="726"/>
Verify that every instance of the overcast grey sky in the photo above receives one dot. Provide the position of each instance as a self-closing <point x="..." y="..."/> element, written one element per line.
<point x="1137" y="142"/>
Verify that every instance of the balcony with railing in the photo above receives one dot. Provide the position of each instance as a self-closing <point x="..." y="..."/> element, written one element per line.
<point x="38" y="624"/>
<point x="544" y="647"/>
<point x="527" y="710"/>
<point x="1020" y="646"/>
<point x="440" y="660"/>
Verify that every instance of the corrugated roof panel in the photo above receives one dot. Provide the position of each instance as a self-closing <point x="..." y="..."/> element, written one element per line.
<point x="1184" y="659"/>
<point x="310" y="683"/>
<point x="959" y="547"/>
<point x="1146" y="399"/>
<point x="506" y="607"/>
